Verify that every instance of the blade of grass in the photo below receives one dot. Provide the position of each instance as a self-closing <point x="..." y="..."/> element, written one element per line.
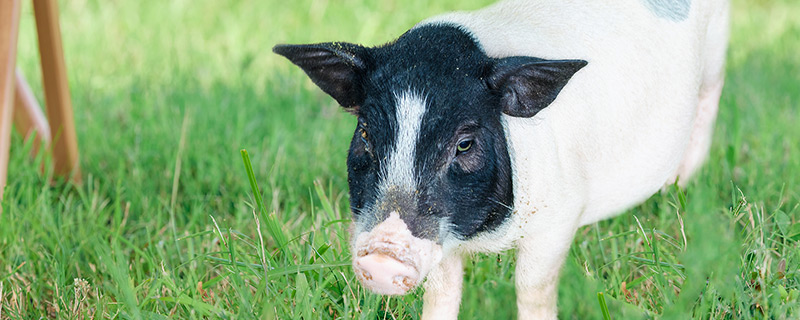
<point x="176" y="177"/>
<point x="603" y="307"/>
<point x="323" y="198"/>
<point x="282" y="271"/>
<point x="272" y="226"/>
<point x="202" y="307"/>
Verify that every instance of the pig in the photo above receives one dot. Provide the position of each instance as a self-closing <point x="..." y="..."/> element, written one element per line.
<point x="512" y="126"/>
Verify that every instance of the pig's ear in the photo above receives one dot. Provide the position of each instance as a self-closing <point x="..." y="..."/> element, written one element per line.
<point x="527" y="85"/>
<point x="337" y="68"/>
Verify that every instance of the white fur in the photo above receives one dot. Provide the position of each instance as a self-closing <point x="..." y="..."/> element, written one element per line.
<point x="443" y="289"/>
<point x="399" y="171"/>
<point x="398" y="174"/>
<point x="639" y="114"/>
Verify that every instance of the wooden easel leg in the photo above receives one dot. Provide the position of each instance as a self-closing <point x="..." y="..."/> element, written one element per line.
<point x="56" y="90"/>
<point x="9" y="29"/>
<point x="29" y="120"/>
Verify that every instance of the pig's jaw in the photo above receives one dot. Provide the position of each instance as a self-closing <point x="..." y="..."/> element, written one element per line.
<point x="390" y="260"/>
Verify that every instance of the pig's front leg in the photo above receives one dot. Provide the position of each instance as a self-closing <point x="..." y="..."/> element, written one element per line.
<point x="443" y="289"/>
<point x="539" y="259"/>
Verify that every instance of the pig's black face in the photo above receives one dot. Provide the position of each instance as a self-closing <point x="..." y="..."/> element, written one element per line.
<point x="430" y="143"/>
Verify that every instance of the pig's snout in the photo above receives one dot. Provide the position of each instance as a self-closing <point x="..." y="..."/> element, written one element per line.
<point x="385" y="274"/>
<point x="390" y="260"/>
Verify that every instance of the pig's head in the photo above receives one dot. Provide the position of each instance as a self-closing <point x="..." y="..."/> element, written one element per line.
<point x="428" y="164"/>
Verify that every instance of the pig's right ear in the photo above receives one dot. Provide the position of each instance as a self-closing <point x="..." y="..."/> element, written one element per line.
<point x="336" y="67"/>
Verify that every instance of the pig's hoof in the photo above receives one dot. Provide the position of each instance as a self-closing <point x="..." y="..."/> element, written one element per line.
<point x="385" y="275"/>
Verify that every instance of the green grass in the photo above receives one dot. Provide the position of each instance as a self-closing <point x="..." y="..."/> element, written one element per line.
<point x="164" y="225"/>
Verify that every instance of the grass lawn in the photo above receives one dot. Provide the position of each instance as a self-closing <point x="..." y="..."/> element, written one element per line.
<point x="167" y="93"/>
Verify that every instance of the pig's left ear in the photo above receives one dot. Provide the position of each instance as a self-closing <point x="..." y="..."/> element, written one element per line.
<point x="336" y="67"/>
<point x="527" y="85"/>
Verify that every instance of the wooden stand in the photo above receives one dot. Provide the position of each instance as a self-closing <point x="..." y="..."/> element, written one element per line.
<point x="17" y="100"/>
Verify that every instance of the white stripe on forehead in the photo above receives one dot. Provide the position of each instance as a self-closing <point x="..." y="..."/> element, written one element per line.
<point x="399" y="171"/>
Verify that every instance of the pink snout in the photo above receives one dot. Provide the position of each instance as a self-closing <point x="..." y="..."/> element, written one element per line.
<point x="385" y="275"/>
<point x="390" y="260"/>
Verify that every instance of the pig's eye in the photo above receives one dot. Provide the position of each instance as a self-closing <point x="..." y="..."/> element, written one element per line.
<point x="463" y="146"/>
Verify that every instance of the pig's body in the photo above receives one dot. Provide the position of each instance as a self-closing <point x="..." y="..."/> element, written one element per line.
<point x="638" y="116"/>
<point x="620" y="129"/>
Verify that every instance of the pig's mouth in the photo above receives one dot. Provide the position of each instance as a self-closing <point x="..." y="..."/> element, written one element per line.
<point x="390" y="260"/>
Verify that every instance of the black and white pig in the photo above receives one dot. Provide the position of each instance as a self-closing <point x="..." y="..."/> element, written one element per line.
<point x="513" y="126"/>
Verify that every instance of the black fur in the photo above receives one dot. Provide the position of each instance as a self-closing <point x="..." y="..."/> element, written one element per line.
<point x="466" y="93"/>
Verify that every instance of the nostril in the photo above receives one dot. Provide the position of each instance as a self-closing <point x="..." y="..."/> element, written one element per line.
<point x="386" y="275"/>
